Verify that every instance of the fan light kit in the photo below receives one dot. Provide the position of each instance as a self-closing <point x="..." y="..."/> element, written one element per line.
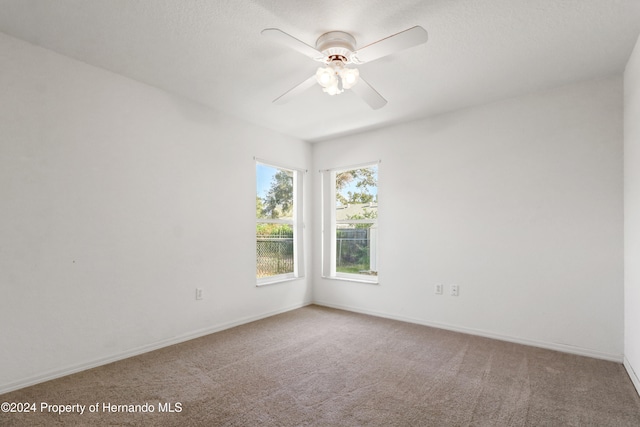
<point x="337" y="49"/>
<point x="335" y="78"/>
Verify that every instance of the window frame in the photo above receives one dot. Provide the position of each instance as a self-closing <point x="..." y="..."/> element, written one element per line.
<point x="295" y="222"/>
<point x="330" y="223"/>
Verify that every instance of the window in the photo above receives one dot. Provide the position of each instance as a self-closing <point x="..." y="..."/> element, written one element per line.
<point x="277" y="221"/>
<point x="351" y="246"/>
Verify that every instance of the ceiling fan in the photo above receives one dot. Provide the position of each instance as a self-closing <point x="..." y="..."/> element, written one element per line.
<point x="336" y="50"/>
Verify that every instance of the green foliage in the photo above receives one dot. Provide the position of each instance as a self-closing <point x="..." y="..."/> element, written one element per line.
<point x="278" y="202"/>
<point x="359" y="197"/>
<point x="365" y="179"/>
<point x="366" y="214"/>
<point x="259" y="208"/>
<point x="353" y="249"/>
<point x="269" y="230"/>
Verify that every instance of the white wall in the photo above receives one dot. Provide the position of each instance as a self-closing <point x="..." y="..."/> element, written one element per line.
<point x="518" y="202"/>
<point x="117" y="200"/>
<point x="632" y="215"/>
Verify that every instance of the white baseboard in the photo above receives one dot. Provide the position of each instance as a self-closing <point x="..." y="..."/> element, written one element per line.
<point x="40" y="378"/>
<point x="5" y="388"/>
<point x="541" y="344"/>
<point x="632" y="374"/>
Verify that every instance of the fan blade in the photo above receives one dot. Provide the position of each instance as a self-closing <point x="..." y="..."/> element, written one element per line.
<point x="286" y="97"/>
<point x="368" y="94"/>
<point x="292" y="42"/>
<point x="395" y="43"/>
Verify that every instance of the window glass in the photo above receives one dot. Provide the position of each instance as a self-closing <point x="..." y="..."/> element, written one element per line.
<point x="276" y="221"/>
<point x="355" y="222"/>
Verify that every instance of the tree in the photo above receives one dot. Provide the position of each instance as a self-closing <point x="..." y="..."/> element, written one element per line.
<point x="365" y="178"/>
<point x="259" y="207"/>
<point x="278" y="201"/>
<point x="366" y="214"/>
<point x="360" y="197"/>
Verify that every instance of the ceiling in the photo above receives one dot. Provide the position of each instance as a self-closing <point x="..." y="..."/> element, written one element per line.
<point x="212" y="52"/>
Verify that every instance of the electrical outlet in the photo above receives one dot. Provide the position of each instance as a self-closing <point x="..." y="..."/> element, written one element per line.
<point x="455" y="291"/>
<point x="438" y="289"/>
<point x="198" y="293"/>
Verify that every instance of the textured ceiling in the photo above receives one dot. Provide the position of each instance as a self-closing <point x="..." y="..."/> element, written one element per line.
<point x="211" y="51"/>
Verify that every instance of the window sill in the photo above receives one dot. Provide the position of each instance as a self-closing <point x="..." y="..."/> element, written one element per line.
<point x="275" y="279"/>
<point x="354" y="279"/>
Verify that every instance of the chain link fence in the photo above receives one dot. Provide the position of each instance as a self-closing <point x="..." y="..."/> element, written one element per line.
<point x="274" y="252"/>
<point x="274" y="255"/>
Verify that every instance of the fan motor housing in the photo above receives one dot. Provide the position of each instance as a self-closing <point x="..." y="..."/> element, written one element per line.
<point x="337" y="46"/>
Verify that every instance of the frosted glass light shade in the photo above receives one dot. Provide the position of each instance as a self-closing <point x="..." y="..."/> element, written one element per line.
<point x="326" y="77"/>
<point x="349" y="76"/>
<point x="334" y="79"/>
<point x="333" y="89"/>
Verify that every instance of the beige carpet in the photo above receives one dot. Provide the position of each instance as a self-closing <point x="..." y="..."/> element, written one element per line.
<point x="322" y="367"/>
